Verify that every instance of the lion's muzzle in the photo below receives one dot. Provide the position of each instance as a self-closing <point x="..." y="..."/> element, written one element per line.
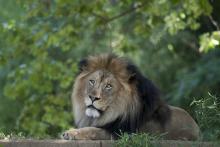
<point x="91" y="111"/>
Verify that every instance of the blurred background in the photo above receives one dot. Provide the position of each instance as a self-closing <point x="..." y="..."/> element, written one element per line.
<point x="174" y="42"/>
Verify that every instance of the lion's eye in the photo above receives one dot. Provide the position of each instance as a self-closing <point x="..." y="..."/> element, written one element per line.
<point x="108" y="86"/>
<point x="92" y="82"/>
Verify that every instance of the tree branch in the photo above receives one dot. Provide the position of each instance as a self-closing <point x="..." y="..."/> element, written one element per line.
<point x="135" y="7"/>
<point x="214" y="22"/>
<point x="107" y="20"/>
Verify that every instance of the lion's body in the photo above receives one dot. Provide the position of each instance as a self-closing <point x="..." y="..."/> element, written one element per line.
<point x="111" y="96"/>
<point x="181" y="126"/>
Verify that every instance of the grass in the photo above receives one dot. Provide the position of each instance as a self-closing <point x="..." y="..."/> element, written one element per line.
<point x="22" y="135"/>
<point x="12" y="136"/>
<point x="136" y="140"/>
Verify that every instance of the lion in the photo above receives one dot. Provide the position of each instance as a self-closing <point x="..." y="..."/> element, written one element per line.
<point x="111" y="96"/>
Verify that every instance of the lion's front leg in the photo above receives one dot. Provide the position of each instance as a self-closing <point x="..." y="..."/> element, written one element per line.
<point x="87" y="133"/>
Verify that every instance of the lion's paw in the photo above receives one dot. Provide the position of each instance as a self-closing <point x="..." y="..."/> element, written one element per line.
<point x="70" y="134"/>
<point x="77" y="134"/>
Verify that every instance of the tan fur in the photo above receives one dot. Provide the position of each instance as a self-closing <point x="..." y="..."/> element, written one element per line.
<point x="123" y="101"/>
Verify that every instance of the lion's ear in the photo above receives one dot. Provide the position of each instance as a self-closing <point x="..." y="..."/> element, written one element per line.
<point x="82" y="64"/>
<point x="132" y="71"/>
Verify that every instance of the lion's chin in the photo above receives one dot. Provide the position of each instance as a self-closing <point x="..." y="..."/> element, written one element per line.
<point x="92" y="112"/>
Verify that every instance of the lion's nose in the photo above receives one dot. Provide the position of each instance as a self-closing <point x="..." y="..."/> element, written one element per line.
<point x="93" y="98"/>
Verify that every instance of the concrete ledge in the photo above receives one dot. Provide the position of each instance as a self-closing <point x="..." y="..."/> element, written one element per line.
<point x="99" y="143"/>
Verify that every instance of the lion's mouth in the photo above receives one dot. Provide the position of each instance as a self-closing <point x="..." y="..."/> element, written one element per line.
<point x="93" y="107"/>
<point x="92" y="111"/>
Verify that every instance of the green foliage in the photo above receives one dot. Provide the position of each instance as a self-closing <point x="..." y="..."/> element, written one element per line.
<point x="207" y="113"/>
<point x="209" y="41"/>
<point x="9" y="108"/>
<point x="42" y="41"/>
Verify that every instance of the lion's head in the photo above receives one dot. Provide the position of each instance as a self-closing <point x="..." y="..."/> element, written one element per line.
<point x="110" y="92"/>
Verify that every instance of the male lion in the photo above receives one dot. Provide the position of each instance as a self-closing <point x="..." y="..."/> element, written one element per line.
<point x="111" y="96"/>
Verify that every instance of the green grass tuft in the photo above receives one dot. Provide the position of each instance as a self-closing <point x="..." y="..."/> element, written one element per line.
<point x="137" y="140"/>
<point x="12" y="136"/>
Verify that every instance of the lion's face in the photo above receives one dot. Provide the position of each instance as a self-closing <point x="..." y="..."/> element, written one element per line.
<point x="100" y="91"/>
<point x="104" y="91"/>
